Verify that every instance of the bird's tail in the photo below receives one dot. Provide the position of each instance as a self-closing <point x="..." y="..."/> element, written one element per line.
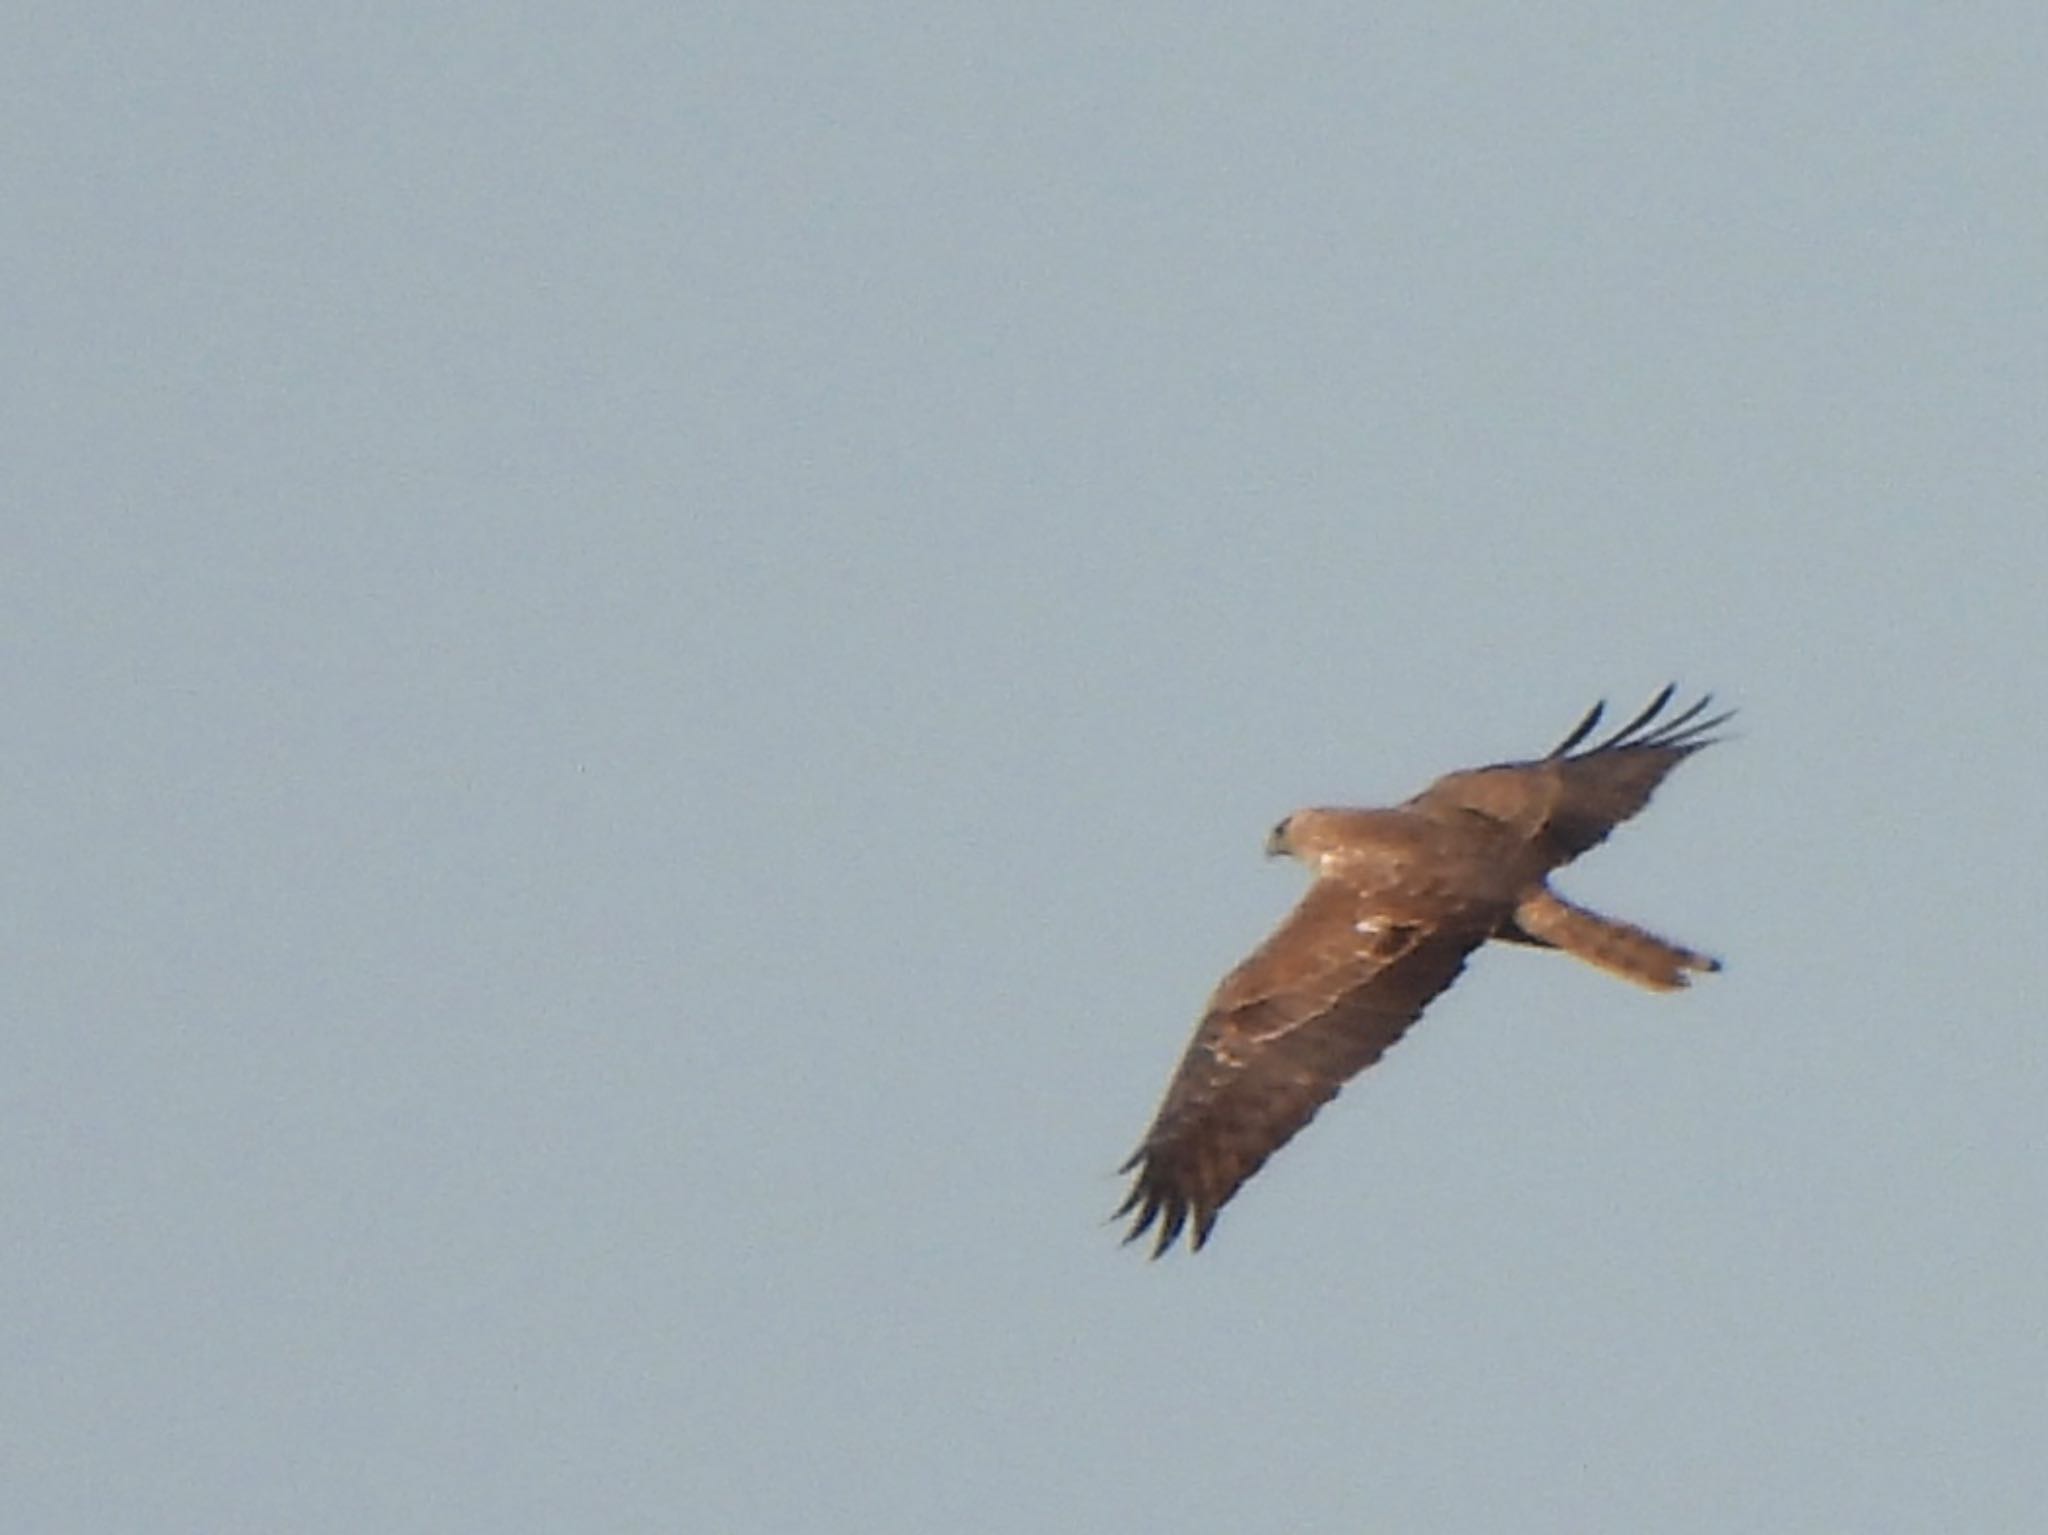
<point x="1619" y="947"/>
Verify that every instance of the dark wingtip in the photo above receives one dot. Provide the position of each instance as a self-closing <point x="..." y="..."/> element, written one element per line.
<point x="1151" y="1203"/>
<point x="1625" y="735"/>
<point x="1683" y="731"/>
<point x="1580" y="731"/>
<point x="1141" y="1223"/>
<point x="1169" y="1230"/>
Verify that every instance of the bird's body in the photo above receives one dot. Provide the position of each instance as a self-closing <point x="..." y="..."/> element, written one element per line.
<point x="1401" y="898"/>
<point x="1403" y="853"/>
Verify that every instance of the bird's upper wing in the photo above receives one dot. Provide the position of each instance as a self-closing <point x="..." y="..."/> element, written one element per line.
<point x="1569" y="801"/>
<point x="1322" y="999"/>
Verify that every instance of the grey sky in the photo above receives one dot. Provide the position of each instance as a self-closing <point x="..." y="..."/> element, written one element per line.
<point x="652" y="646"/>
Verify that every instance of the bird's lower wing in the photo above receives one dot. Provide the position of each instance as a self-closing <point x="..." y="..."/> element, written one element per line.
<point x="1334" y="987"/>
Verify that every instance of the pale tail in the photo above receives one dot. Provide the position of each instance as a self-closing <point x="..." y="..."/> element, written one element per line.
<point x="1619" y="947"/>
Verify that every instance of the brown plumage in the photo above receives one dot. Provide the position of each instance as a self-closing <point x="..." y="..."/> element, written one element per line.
<point x="1401" y="898"/>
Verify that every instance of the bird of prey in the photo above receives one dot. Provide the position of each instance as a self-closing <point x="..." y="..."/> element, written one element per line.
<point x="1401" y="898"/>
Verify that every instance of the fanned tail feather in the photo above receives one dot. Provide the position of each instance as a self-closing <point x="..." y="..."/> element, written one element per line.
<point x="1620" y="948"/>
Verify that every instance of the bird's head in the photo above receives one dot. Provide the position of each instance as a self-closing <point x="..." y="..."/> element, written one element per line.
<point x="1278" y="842"/>
<point x="1325" y="840"/>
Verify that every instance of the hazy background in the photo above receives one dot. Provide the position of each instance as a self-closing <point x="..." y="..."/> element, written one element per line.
<point x="649" y="649"/>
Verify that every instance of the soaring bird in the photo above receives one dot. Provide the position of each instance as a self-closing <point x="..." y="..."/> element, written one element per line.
<point x="1400" y="898"/>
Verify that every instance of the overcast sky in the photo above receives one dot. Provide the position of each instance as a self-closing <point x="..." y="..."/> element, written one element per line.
<point x="650" y="649"/>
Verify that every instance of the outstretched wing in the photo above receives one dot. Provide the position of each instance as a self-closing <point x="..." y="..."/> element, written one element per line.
<point x="1322" y="999"/>
<point x="1569" y="801"/>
